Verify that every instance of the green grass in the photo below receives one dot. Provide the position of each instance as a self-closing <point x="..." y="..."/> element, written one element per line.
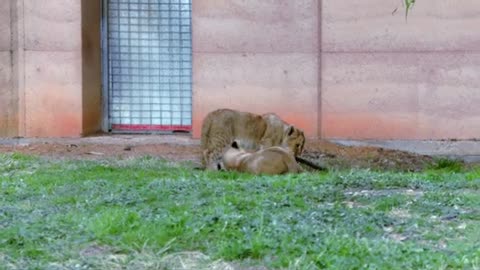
<point x="131" y="214"/>
<point x="447" y="165"/>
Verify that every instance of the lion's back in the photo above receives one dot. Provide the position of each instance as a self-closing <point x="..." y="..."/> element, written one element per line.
<point x="222" y="126"/>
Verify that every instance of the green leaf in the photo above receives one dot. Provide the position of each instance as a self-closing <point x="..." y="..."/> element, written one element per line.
<point x="408" y="5"/>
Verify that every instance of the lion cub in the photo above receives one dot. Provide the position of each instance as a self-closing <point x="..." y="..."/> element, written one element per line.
<point x="271" y="160"/>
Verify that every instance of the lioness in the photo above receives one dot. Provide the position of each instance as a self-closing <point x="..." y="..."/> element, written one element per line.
<point x="270" y="160"/>
<point x="252" y="132"/>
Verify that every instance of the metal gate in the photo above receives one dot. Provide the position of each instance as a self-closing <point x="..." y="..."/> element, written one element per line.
<point x="147" y="65"/>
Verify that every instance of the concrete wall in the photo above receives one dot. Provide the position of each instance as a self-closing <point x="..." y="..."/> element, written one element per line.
<point x="257" y="56"/>
<point x="8" y="95"/>
<point x="44" y="91"/>
<point x="384" y="78"/>
<point x="53" y="68"/>
<point x="379" y="77"/>
<point x="339" y="69"/>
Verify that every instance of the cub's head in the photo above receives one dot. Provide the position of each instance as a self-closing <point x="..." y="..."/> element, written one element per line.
<point x="231" y="157"/>
<point x="294" y="139"/>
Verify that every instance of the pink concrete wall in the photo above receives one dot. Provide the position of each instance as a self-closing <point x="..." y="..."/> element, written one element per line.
<point x="339" y="69"/>
<point x="8" y="95"/>
<point x="53" y="68"/>
<point x="50" y="79"/>
<point x="257" y="56"/>
<point x="383" y="78"/>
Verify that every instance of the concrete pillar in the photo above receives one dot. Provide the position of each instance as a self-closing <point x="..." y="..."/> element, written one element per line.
<point x="91" y="67"/>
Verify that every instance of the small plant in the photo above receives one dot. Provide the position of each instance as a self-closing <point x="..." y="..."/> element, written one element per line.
<point x="408" y="5"/>
<point x="448" y="165"/>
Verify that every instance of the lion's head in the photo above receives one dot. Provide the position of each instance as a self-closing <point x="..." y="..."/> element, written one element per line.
<point x="294" y="139"/>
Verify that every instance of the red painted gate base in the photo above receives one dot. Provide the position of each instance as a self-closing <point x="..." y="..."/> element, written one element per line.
<point x="126" y="127"/>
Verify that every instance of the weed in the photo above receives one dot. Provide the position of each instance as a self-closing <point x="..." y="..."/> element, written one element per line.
<point x="447" y="165"/>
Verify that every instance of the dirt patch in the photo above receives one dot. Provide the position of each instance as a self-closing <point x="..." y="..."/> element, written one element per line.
<point x="82" y="150"/>
<point x="95" y="250"/>
<point x="337" y="156"/>
<point x="183" y="148"/>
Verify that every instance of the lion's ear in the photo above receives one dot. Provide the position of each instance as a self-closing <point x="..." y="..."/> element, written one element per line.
<point x="290" y="130"/>
<point x="235" y="145"/>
